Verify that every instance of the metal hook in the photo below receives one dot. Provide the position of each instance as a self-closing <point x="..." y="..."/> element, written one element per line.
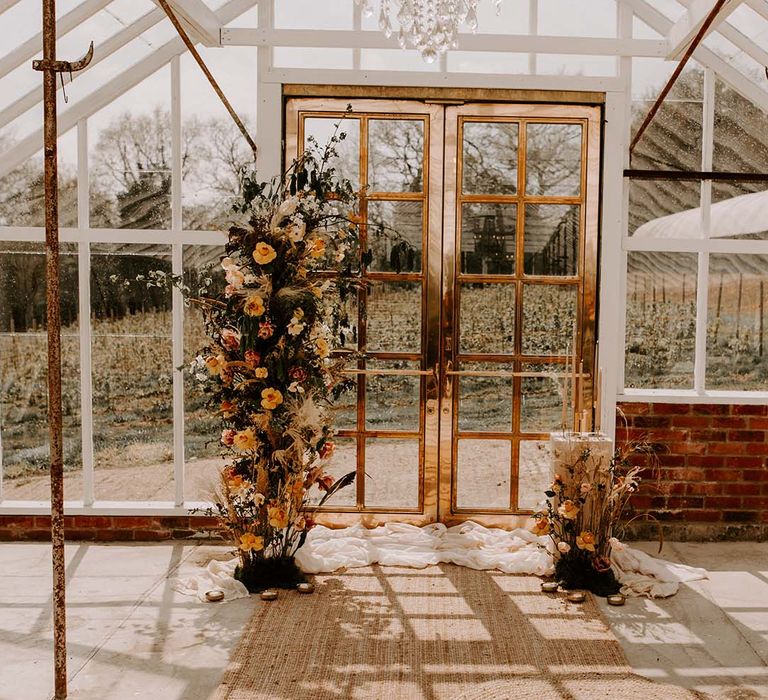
<point x="65" y="66"/>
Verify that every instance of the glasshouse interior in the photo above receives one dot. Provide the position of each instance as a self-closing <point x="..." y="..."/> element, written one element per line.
<point x="365" y="349"/>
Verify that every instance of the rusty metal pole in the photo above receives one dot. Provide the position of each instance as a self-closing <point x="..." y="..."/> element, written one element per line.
<point x="53" y="306"/>
<point x="51" y="70"/>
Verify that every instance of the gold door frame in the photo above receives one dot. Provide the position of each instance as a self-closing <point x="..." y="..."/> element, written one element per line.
<point x="296" y="111"/>
<point x="438" y="403"/>
<point x="586" y="279"/>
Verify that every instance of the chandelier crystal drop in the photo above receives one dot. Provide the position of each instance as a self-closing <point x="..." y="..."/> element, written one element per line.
<point x="429" y="26"/>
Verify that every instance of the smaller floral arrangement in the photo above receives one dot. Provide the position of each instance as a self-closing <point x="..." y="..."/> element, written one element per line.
<point x="586" y="505"/>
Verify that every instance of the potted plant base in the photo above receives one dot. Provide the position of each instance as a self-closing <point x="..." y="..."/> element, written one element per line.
<point x="579" y="572"/>
<point x="270" y="572"/>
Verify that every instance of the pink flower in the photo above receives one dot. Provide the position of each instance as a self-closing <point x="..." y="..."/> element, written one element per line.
<point x="252" y="357"/>
<point x="230" y="339"/>
<point x="266" y="329"/>
<point x="298" y="373"/>
<point x="228" y="437"/>
<point x="325" y="482"/>
<point x="327" y="449"/>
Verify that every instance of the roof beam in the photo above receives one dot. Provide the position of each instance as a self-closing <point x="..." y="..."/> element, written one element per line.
<point x="102" y="51"/>
<point x="30" y="48"/>
<point x="352" y="39"/>
<point x="682" y="32"/>
<point x="7" y="5"/>
<point x="199" y="21"/>
<point x="108" y="92"/>
<point x="737" y="80"/>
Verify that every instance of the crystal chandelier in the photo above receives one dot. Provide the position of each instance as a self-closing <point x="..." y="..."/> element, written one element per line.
<point x="429" y="26"/>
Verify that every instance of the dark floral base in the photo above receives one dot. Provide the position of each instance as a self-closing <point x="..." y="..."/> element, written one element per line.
<point x="579" y="573"/>
<point x="273" y="572"/>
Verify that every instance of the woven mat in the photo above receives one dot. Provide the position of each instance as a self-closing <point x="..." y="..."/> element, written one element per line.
<point x="440" y="633"/>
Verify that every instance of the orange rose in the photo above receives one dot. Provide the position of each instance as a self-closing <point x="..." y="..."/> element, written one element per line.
<point x="271" y="399"/>
<point x="264" y="253"/>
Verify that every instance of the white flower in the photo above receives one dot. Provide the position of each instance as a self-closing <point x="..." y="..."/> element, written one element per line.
<point x="296" y="231"/>
<point x="563" y="547"/>
<point x="296" y="326"/>
<point x="295" y="387"/>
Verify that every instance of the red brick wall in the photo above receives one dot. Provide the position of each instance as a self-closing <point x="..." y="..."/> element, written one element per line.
<point x="107" y="528"/>
<point x="712" y="479"/>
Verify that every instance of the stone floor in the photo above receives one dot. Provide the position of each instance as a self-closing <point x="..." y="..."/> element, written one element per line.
<point x="132" y="636"/>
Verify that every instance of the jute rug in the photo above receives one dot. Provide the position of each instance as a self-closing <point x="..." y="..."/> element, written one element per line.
<point x="440" y="633"/>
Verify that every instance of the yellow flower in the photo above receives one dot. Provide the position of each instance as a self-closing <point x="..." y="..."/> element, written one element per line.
<point x="254" y="305"/>
<point x="245" y="440"/>
<point x="251" y="543"/>
<point x="586" y="540"/>
<point x="264" y="253"/>
<point x="322" y="347"/>
<point x="215" y="363"/>
<point x="568" y="510"/>
<point x="278" y="517"/>
<point x="238" y="483"/>
<point x="540" y="525"/>
<point x="260" y="372"/>
<point x="317" y="249"/>
<point x="300" y="523"/>
<point x="271" y="398"/>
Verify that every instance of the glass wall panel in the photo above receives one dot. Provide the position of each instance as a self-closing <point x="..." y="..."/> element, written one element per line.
<point x="549" y="317"/>
<point x="202" y="426"/>
<point x="395" y="155"/>
<point x="394" y="317"/>
<point x="320" y="130"/>
<point x="488" y="238"/>
<point x="392" y="400"/>
<point x="665" y="209"/>
<point x="489" y="157"/>
<point x="738" y="210"/>
<point x="551" y="236"/>
<point x="535" y="473"/>
<point x="395" y="234"/>
<point x="130" y="158"/>
<point x="22" y="193"/>
<point x="487" y="318"/>
<point x="485" y="403"/>
<point x="132" y="374"/>
<point x="24" y="372"/>
<point x="673" y="139"/>
<point x="541" y="409"/>
<point x="736" y="347"/>
<point x="483" y="471"/>
<point x="342" y="461"/>
<point x="661" y="320"/>
<point x="214" y="152"/>
<point x="392" y="473"/>
<point x="553" y="160"/>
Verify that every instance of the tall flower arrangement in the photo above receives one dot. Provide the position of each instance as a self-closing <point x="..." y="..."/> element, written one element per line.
<point x="585" y="507"/>
<point x="270" y="370"/>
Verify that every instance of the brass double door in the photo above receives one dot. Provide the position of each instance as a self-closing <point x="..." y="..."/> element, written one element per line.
<point x="481" y="225"/>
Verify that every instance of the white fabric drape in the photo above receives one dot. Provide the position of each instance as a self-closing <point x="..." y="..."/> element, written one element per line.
<point x="468" y="544"/>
